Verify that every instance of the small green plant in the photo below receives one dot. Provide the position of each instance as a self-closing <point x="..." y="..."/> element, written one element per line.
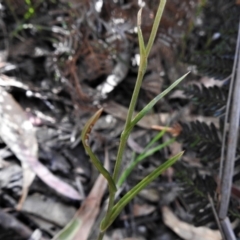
<point x="114" y="209"/>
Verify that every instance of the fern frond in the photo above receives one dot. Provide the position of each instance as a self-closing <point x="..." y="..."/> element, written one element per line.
<point x="204" y="139"/>
<point x="211" y="99"/>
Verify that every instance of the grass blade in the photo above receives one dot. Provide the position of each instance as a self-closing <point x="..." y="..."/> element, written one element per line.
<point x="156" y="138"/>
<point x="69" y="231"/>
<point x="141" y="157"/>
<point x="140" y="36"/>
<point x="96" y="162"/>
<point x="118" y="207"/>
<point x="150" y="105"/>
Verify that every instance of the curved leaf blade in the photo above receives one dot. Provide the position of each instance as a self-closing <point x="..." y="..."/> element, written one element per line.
<point x="150" y="105"/>
<point x="118" y="207"/>
<point x="96" y="162"/>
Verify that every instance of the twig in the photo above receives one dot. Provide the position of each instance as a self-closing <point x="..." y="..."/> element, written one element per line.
<point x="227" y="229"/>
<point x="227" y="172"/>
<point x="232" y="77"/>
<point x="216" y="216"/>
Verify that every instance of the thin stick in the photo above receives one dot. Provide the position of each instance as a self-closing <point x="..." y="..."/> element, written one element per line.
<point x="228" y="107"/>
<point x="216" y="216"/>
<point x="227" y="174"/>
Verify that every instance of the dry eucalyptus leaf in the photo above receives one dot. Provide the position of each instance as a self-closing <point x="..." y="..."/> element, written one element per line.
<point x="187" y="231"/>
<point x="18" y="133"/>
<point x="150" y="194"/>
<point x="142" y="210"/>
<point x="47" y="209"/>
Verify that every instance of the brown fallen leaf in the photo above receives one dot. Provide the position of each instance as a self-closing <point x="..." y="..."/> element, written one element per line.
<point x="91" y="206"/>
<point x="175" y="130"/>
<point x="81" y="225"/>
<point x="187" y="231"/>
<point x="18" y="133"/>
<point x="142" y="210"/>
<point x="150" y="194"/>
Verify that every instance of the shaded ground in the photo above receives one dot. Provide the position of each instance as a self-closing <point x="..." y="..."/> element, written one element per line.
<point x="63" y="60"/>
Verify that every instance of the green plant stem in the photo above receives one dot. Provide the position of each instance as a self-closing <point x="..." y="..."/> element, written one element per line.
<point x="109" y="211"/>
<point x="122" y="145"/>
<point x="142" y="67"/>
<point x="123" y="141"/>
<point x="101" y="235"/>
<point x="155" y="26"/>
<point x="110" y="203"/>
<point x="124" y="137"/>
<point x="143" y="59"/>
<point x="126" y="131"/>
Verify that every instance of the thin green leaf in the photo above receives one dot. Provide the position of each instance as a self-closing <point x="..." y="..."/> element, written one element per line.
<point x="69" y="231"/>
<point x="141" y="157"/>
<point x="150" y="105"/>
<point x="140" y="36"/>
<point x="156" y="138"/>
<point x="156" y="23"/>
<point x="118" y="207"/>
<point x="153" y="150"/>
<point x="132" y="164"/>
<point x="96" y="162"/>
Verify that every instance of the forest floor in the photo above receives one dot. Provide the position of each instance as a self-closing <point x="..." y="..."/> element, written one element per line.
<point x="61" y="61"/>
